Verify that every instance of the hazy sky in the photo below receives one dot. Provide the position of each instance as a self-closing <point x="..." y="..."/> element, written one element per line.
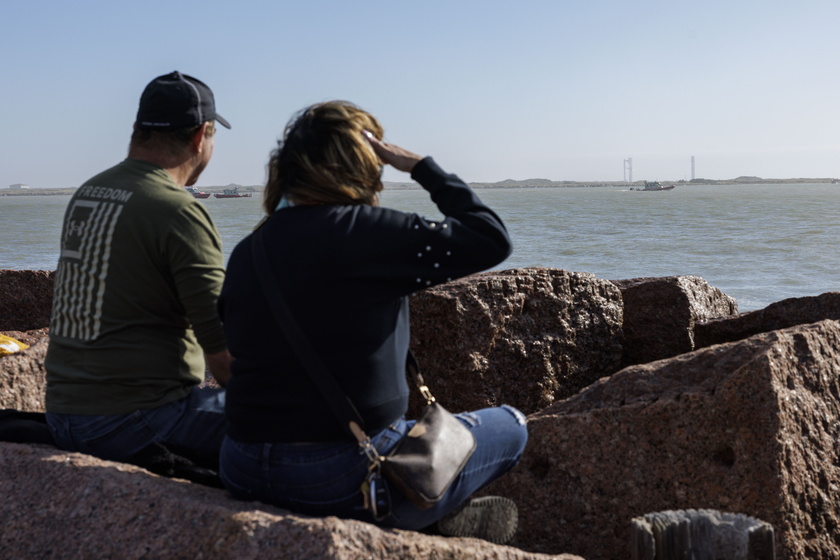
<point x="561" y="90"/>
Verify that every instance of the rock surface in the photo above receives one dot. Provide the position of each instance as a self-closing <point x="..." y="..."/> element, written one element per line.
<point x="779" y="315"/>
<point x="750" y="427"/>
<point x="70" y="506"/>
<point x="524" y="337"/>
<point x="28" y="337"/>
<point x="660" y="314"/>
<point x="22" y="378"/>
<point x="25" y="299"/>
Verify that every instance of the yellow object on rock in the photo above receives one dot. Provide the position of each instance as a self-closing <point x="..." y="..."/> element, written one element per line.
<point x="9" y="345"/>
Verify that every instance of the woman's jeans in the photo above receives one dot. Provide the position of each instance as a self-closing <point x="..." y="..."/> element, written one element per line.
<point x="193" y="427"/>
<point x="323" y="479"/>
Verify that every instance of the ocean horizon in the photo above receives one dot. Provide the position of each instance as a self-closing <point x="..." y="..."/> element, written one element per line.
<point x="759" y="243"/>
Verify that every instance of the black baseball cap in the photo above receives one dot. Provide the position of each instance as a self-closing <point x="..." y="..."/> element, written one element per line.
<point x="177" y="101"/>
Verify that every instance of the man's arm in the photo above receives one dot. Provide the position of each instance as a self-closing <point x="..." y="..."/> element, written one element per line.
<point x="219" y="365"/>
<point x="195" y="254"/>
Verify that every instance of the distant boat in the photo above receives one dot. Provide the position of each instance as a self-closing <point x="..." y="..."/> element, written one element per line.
<point x="197" y="193"/>
<point x="232" y="193"/>
<point x="654" y="186"/>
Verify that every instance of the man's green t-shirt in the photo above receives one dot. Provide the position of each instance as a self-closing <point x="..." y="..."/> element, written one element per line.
<point x="134" y="307"/>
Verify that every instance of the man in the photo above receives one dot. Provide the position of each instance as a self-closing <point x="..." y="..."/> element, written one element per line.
<point x="134" y="307"/>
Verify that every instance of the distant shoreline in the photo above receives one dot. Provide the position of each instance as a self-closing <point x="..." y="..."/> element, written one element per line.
<point x="507" y="184"/>
<point x="70" y="190"/>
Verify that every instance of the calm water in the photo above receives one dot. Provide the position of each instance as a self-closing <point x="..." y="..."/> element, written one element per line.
<point x="757" y="243"/>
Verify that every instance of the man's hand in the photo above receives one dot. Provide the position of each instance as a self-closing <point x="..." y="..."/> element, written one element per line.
<point x="219" y="365"/>
<point x="393" y="155"/>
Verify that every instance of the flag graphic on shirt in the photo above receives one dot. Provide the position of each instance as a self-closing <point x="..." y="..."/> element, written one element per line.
<point x="83" y="268"/>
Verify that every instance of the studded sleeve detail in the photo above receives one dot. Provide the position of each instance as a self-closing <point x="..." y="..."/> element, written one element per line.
<point x="471" y="237"/>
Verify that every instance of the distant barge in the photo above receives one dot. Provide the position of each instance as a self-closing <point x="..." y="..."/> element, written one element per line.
<point x="654" y="186"/>
<point x="232" y="193"/>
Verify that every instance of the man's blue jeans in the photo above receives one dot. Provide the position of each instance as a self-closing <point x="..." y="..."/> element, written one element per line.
<point x="194" y="426"/>
<point x="323" y="479"/>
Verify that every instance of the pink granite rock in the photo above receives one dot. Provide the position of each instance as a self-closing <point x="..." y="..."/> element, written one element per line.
<point x="524" y="337"/>
<point x="69" y="506"/>
<point x="779" y="315"/>
<point x="660" y="314"/>
<point x="25" y="299"/>
<point x="28" y="337"/>
<point x="751" y="427"/>
<point x="22" y="378"/>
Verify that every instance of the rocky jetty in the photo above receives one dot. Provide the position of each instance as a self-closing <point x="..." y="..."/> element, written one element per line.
<point x="25" y="304"/>
<point x="746" y="427"/>
<point x="661" y="315"/>
<point x="643" y="395"/>
<point x="70" y="506"/>
<point x="25" y="300"/>
<point x="525" y="337"/>
<point x="23" y="377"/>
<point x="779" y="315"/>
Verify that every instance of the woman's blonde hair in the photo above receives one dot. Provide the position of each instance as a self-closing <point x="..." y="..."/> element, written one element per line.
<point x="323" y="158"/>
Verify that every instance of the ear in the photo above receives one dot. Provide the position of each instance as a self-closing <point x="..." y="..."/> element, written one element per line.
<point x="200" y="137"/>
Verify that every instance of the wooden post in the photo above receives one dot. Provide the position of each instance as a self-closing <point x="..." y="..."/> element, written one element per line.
<point x="702" y="534"/>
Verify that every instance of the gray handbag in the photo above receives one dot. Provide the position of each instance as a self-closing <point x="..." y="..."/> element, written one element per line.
<point x="425" y="463"/>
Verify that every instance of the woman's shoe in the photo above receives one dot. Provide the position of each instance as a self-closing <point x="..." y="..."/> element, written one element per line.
<point x="492" y="518"/>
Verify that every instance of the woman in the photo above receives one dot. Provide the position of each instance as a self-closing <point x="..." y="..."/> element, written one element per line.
<point x="346" y="266"/>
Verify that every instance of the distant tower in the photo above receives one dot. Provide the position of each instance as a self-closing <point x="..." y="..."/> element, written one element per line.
<point x="628" y="170"/>
<point x="692" y="168"/>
